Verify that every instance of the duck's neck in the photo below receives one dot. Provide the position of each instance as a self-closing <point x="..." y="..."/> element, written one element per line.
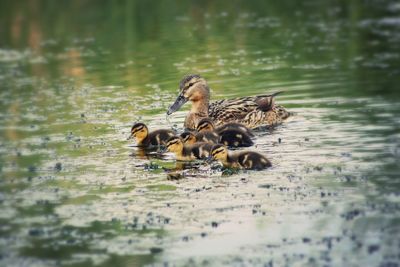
<point x="200" y="107"/>
<point x="200" y="101"/>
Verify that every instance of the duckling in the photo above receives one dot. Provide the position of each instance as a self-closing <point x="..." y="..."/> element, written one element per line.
<point x="249" y="160"/>
<point x="188" y="138"/>
<point x="199" y="150"/>
<point x="253" y="111"/>
<point x="228" y="135"/>
<point x="144" y="138"/>
<point x="206" y="136"/>
<point x="235" y="125"/>
<point x="207" y="124"/>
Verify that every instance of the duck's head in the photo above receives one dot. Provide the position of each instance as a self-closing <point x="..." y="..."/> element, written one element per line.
<point x="139" y="131"/>
<point x="191" y="88"/>
<point x="219" y="152"/>
<point x="205" y="125"/>
<point x="188" y="138"/>
<point x="174" y="144"/>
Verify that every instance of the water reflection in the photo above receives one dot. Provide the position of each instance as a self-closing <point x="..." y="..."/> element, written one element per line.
<point x="74" y="192"/>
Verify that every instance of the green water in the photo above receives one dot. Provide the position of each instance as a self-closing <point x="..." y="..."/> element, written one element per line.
<point x="75" y="75"/>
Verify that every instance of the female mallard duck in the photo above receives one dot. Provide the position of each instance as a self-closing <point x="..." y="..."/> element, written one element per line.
<point x="188" y="152"/>
<point x="249" y="160"/>
<point x="251" y="111"/>
<point x="144" y="138"/>
<point x="231" y="134"/>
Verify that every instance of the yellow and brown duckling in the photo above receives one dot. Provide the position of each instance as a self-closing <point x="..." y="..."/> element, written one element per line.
<point x="253" y="111"/>
<point x="199" y="150"/>
<point x="231" y="134"/>
<point x="189" y="138"/>
<point x="144" y="138"/>
<point x="235" y="125"/>
<point x="194" y="137"/>
<point x="249" y="160"/>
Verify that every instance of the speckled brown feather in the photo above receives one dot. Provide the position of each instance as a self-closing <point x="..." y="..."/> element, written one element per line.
<point x="247" y="112"/>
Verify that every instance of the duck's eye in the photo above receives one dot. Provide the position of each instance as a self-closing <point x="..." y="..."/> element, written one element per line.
<point x="191" y="84"/>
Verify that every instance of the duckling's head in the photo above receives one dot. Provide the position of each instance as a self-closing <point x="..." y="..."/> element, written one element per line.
<point x="139" y="131"/>
<point x="192" y="87"/>
<point x="205" y="125"/>
<point x="188" y="138"/>
<point x="174" y="144"/>
<point x="219" y="152"/>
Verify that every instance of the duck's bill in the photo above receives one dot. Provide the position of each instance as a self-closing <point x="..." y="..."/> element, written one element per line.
<point x="180" y="100"/>
<point x="130" y="137"/>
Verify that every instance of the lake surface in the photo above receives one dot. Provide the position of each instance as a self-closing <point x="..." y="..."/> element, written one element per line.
<point x="75" y="75"/>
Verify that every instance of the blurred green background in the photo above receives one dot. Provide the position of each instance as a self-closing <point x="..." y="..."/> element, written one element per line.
<point x="74" y="76"/>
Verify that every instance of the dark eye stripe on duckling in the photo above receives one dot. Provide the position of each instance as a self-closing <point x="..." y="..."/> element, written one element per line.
<point x="137" y="129"/>
<point x="186" y="135"/>
<point x="170" y="143"/>
<point x="217" y="151"/>
<point x="202" y="126"/>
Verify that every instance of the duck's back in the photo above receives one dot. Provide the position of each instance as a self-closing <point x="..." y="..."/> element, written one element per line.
<point x="253" y="160"/>
<point x="235" y="138"/>
<point x="227" y="110"/>
<point x="252" y="111"/>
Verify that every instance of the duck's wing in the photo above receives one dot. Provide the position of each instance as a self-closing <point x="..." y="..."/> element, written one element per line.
<point x="236" y="109"/>
<point x="231" y="109"/>
<point x="266" y="102"/>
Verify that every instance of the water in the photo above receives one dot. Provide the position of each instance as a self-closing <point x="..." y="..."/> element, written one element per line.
<point x="74" y="76"/>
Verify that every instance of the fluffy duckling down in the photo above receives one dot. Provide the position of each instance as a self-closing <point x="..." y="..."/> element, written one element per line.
<point x="190" y="138"/>
<point x="184" y="152"/>
<point x="249" y="160"/>
<point x="234" y="125"/>
<point x="144" y="138"/>
<point x="230" y="134"/>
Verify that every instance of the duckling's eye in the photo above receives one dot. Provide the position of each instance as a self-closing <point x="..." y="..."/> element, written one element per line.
<point x="172" y="143"/>
<point x="191" y="84"/>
